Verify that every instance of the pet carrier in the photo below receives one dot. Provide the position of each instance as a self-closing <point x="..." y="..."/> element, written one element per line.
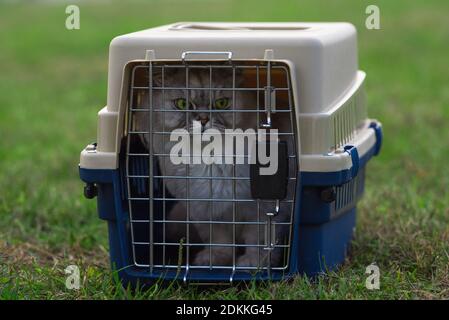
<point x="173" y="215"/>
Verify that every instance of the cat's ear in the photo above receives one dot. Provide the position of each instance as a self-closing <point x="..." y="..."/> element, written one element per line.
<point x="170" y="75"/>
<point x="224" y="77"/>
<point x="157" y="77"/>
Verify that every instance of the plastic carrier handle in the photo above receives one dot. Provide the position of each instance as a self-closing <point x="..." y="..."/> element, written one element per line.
<point x="185" y="54"/>
<point x="352" y="150"/>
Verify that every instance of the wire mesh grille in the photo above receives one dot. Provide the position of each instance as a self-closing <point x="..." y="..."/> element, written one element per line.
<point x="196" y="215"/>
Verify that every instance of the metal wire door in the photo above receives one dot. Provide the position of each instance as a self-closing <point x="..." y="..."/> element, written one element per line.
<point x="201" y="216"/>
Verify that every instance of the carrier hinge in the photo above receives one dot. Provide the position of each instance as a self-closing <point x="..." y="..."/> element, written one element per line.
<point x="150" y="55"/>
<point x="270" y="243"/>
<point x="270" y="92"/>
<point x="270" y="236"/>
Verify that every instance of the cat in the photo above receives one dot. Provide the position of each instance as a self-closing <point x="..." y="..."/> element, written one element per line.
<point x="198" y="211"/>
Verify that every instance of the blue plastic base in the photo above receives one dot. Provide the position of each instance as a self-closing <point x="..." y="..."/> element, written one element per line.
<point x="322" y="231"/>
<point x="321" y="236"/>
<point x="324" y="246"/>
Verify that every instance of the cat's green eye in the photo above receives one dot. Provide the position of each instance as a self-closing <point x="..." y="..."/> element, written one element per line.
<point x="180" y="103"/>
<point x="222" y="103"/>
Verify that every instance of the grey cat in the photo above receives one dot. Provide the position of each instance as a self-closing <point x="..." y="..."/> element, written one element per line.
<point x="169" y="117"/>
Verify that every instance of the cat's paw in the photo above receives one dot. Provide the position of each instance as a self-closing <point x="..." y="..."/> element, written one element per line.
<point x="249" y="260"/>
<point x="253" y="259"/>
<point x="201" y="259"/>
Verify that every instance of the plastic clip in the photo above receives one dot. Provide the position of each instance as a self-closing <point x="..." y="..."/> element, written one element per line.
<point x="352" y="150"/>
<point x="379" y="135"/>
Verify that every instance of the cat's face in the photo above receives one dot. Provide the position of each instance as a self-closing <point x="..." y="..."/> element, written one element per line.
<point x="206" y="101"/>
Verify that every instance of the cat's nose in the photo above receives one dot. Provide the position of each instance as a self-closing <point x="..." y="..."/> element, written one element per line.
<point x="203" y="119"/>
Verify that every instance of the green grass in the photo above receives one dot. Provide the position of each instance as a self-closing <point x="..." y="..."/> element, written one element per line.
<point x="53" y="81"/>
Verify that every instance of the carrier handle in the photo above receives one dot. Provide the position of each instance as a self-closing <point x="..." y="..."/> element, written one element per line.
<point x="219" y="53"/>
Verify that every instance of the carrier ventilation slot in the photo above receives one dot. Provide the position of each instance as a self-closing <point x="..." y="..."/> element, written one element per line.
<point x="348" y="193"/>
<point x="347" y="119"/>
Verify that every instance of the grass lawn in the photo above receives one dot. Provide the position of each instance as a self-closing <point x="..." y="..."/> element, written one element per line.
<point x="53" y="81"/>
